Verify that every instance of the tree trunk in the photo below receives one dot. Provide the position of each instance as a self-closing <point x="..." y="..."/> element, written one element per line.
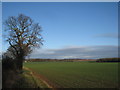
<point x="20" y="63"/>
<point x="20" y="60"/>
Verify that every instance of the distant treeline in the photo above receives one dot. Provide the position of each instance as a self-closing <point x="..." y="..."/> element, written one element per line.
<point x="74" y="60"/>
<point x="58" y="60"/>
<point x="108" y="60"/>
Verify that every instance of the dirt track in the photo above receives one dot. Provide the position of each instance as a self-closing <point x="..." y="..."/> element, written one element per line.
<point x="42" y="78"/>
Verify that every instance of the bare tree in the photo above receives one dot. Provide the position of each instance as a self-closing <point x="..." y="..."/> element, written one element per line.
<point x="23" y="35"/>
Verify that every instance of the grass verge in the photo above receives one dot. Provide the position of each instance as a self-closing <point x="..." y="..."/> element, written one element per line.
<point x="28" y="80"/>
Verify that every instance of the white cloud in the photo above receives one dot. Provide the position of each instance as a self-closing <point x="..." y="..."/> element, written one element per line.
<point x="43" y="51"/>
<point x="87" y="52"/>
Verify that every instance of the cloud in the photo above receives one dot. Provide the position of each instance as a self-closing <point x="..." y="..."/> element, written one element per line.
<point x="87" y="52"/>
<point x="109" y="35"/>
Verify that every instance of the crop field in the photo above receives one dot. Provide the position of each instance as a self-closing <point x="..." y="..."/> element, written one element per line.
<point x="77" y="74"/>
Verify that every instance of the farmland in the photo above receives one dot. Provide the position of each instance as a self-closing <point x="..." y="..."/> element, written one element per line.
<point x="77" y="74"/>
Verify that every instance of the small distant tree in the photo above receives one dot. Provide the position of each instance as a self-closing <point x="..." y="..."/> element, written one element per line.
<point x="22" y="35"/>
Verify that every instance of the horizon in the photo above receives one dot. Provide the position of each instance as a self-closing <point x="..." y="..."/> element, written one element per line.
<point x="70" y="29"/>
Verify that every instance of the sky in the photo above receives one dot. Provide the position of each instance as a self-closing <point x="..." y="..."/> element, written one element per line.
<point x="71" y="29"/>
<point x="0" y="30"/>
<point x="60" y="0"/>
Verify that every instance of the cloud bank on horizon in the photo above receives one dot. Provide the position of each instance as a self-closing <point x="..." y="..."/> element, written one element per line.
<point x="83" y="52"/>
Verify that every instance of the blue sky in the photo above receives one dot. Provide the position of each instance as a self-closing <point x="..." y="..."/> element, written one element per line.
<point x="70" y="24"/>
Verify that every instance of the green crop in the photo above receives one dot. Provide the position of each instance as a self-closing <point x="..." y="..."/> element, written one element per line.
<point x="78" y="74"/>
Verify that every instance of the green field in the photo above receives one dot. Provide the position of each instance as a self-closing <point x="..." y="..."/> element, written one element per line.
<point x="77" y="74"/>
